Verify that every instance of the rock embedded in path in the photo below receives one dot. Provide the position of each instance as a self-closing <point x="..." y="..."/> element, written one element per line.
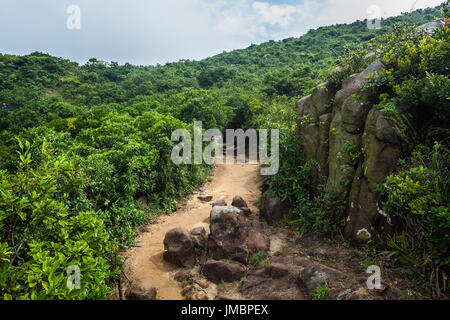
<point x="141" y="290"/>
<point x="277" y="270"/>
<point x="184" y="275"/>
<point x="239" y="202"/>
<point x="358" y="294"/>
<point x="260" y="285"/>
<point x="273" y="271"/>
<point x="272" y="208"/>
<point x="219" y="203"/>
<point x="199" y="231"/>
<point x="224" y="220"/>
<point x="246" y="211"/>
<point x="205" y="197"/>
<point x="218" y="271"/>
<point x="179" y="247"/>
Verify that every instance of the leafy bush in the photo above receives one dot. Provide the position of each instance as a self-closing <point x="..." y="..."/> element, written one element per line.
<point x="73" y="203"/>
<point x="40" y="238"/>
<point x="417" y="198"/>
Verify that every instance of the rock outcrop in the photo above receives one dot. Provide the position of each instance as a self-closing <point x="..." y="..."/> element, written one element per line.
<point x="353" y="146"/>
<point x="432" y="26"/>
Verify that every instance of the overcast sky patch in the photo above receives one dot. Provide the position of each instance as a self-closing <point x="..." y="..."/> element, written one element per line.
<point x="147" y="32"/>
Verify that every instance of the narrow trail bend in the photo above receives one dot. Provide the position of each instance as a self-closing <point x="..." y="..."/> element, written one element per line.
<point x="146" y="262"/>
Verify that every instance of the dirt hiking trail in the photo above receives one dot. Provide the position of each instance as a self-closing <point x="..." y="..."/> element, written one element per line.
<point x="146" y="263"/>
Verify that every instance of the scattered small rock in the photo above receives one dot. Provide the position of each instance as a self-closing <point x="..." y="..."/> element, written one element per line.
<point x="276" y="245"/>
<point x="246" y="211"/>
<point x="229" y="297"/>
<point x="183" y="275"/>
<point x="344" y="294"/>
<point x="199" y="231"/>
<point x="359" y="294"/>
<point x="199" y="237"/>
<point x="202" y="283"/>
<point x="194" y="292"/>
<point x="314" y="275"/>
<point x="319" y="253"/>
<point x="205" y="197"/>
<point x="239" y="202"/>
<point x="219" y="203"/>
<point x="141" y="290"/>
<point x="198" y="296"/>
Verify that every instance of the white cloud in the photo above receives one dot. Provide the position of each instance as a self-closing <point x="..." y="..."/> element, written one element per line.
<point x="147" y="32"/>
<point x="282" y="15"/>
<point x="345" y="11"/>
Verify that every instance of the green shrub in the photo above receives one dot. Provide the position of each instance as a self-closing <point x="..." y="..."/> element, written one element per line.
<point x="417" y="198"/>
<point x="40" y="239"/>
<point x="260" y="259"/>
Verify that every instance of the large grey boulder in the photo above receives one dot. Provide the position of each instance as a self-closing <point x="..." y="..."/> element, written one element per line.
<point x="350" y="112"/>
<point x="354" y="84"/>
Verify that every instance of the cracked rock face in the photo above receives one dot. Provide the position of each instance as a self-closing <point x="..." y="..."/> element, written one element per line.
<point x="331" y="121"/>
<point x="233" y="236"/>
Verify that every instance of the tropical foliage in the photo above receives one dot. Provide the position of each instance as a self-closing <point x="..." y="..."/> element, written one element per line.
<point x="85" y="150"/>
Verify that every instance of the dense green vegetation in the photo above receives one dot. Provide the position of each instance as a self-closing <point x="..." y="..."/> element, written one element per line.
<point x="80" y="145"/>
<point x="417" y="196"/>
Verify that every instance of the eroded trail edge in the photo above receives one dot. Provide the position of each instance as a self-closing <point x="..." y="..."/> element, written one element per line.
<point x="146" y="264"/>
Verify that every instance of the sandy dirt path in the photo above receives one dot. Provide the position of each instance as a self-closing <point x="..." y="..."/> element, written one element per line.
<point x="146" y="262"/>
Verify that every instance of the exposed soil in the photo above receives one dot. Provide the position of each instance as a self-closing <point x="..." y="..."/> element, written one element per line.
<point x="146" y="263"/>
<point x="289" y="258"/>
<point x="346" y="267"/>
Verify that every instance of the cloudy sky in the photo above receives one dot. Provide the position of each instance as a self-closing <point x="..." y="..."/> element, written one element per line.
<point x="158" y="31"/>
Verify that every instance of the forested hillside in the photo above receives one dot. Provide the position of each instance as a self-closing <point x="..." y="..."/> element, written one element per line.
<point x="82" y="147"/>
